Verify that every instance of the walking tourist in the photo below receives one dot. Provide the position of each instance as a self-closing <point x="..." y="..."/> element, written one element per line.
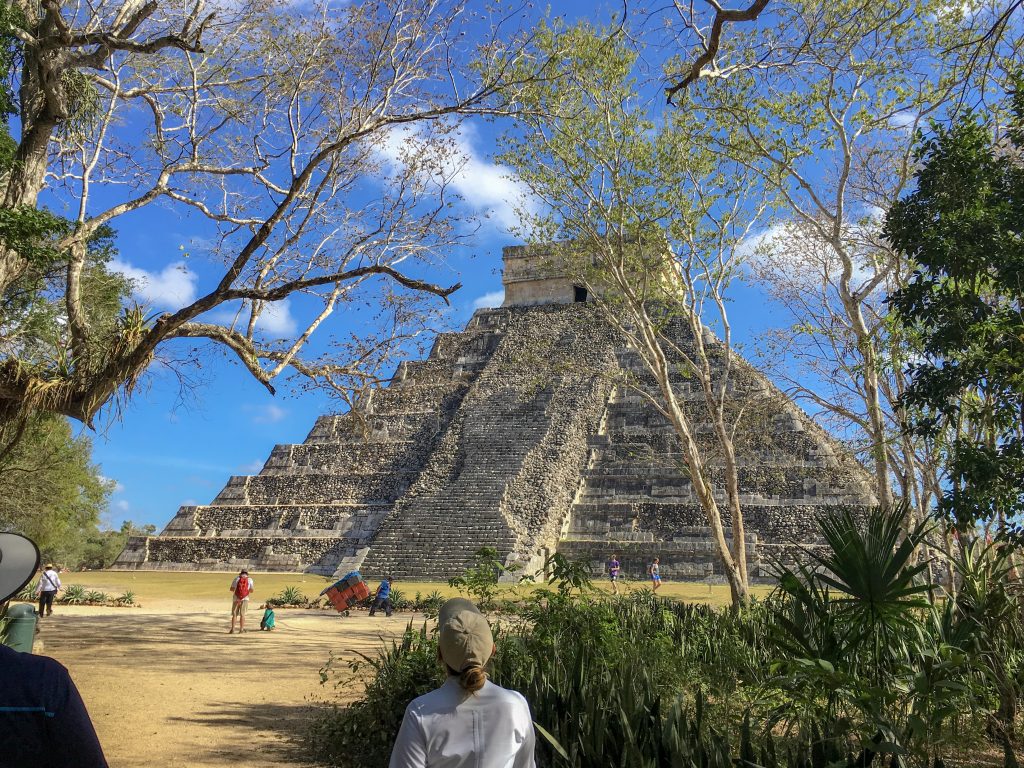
<point x="241" y="588"/>
<point x="382" y="598"/>
<point x="42" y="717"/>
<point x="267" y="622"/>
<point x="49" y="585"/>
<point x="614" y="567"/>
<point x="468" y="720"/>
<point x="655" y="571"/>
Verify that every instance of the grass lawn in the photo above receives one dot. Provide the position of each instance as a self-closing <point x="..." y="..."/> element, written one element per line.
<point x="185" y="585"/>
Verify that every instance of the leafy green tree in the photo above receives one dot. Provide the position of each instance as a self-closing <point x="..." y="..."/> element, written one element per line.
<point x="650" y="221"/>
<point x="821" y="102"/>
<point x="961" y="227"/>
<point x="51" y="491"/>
<point x="102" y="547"/>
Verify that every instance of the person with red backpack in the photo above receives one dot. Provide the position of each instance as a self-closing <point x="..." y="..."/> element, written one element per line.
<point x="241" y="588"/>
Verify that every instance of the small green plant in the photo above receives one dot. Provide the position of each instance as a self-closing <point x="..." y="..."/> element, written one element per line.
<point x="432" y="603"/>
<point x="95" y="597"/>
<point x="481" y="579"/>
<point x="74" y="594"/>
<point x="128" y="598"/>
<point x="290" y="596"/>
<point x="27" y="593"/>
<point x="566" y="575"/>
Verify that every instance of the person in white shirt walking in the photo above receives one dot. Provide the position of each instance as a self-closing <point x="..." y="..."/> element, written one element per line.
<point x="469" y="722"/>
<point x="241" y="588"/>
<point x="49" y="585"/>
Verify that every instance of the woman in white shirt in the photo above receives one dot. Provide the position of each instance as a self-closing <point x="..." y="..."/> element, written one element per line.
<point x="468" y="721"/>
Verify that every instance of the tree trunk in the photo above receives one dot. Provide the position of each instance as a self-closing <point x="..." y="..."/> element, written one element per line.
<point x="42" y="106"/>
<point x="735" y="574"/>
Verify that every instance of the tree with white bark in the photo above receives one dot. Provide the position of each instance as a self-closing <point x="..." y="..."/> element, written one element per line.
<point x="316" y="141"/>
<point x="652" y="224"/>
<point x="823" y="106"/>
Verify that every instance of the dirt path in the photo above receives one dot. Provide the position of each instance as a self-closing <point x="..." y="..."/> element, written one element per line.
<point x="167" y="686"/>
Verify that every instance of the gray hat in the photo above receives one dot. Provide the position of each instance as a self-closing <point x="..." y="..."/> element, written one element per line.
<point x="19" y="559"/>
<point x="465" y="638"/>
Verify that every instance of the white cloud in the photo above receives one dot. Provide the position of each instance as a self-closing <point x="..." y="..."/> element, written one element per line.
<point x="172" y="287"/>
<point x="122" y="506"/>
<point x="903" y="121"/>
<point x="266" y="414"/>
<point x="275" y="318"/>
<point x="492" y="299"/>
<point x="794" y="255"/>
<point x="488" y="188"/>
<point x="756" y="244"/>
<point x="252" y="468"/>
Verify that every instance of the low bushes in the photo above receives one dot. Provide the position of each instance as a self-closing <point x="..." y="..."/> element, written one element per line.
<point x="854" y="660"/>
<point x="75" y="594"/>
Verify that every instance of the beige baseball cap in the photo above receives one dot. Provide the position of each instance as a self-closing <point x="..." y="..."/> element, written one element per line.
<point x="465" y="638"/>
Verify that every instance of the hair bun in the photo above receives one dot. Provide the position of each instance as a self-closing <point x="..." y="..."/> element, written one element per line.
<point x="473" y="678"/>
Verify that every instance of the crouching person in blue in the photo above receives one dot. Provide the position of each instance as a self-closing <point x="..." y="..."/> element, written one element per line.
<point x="382" y="598"/>
<point x="43" y="720"/>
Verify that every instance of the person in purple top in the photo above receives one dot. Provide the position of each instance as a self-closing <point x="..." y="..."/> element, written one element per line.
<point x="613" y="571"/>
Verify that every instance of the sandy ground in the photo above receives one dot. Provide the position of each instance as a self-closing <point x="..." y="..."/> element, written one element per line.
<point x="167" y="686"/>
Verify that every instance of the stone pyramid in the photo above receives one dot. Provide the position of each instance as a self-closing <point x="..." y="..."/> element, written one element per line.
<point x="528" y="432"/>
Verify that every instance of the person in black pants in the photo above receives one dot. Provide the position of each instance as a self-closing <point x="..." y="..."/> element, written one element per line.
<point x="49" y="583"/>
<point x="382" y="598"/>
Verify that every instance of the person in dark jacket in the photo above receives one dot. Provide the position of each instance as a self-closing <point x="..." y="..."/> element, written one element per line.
<point x="43" y="720"/>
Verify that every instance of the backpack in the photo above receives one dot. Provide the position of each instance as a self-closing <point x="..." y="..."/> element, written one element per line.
<point x="242" y="590"/>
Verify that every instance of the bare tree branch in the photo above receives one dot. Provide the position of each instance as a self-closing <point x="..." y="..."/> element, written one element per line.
<point x="713" y="42"/>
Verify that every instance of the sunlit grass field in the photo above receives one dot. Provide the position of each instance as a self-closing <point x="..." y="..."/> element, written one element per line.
<point x="171" y="585"/>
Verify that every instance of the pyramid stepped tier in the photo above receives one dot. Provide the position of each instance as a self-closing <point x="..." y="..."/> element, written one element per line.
<point x="316" y="506"/>
<point x="531" y="431"/>
<point x="505" y="473"/>
<point x="690" y="555"/>
<point x="636" y="495"/>
<point x="321" y="458"/>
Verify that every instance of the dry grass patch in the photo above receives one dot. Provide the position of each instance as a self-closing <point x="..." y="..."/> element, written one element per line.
<point x="190" y="585"/>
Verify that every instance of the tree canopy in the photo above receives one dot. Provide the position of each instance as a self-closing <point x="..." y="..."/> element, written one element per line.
<point x="964" y="307"/>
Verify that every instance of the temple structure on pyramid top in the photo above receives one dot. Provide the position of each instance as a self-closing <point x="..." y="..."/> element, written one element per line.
<point x="529" y="432"/>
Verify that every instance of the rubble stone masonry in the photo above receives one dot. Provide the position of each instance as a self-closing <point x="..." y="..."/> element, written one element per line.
<point x="530" y="431"/>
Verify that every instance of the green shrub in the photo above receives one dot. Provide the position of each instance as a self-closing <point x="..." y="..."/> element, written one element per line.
<point x="852" y="661"/>
<point x="128" y="598"/>
<point x="480" y="581"/>
<point x="74" y="594"/>
<point x="27" y="593"/>
<point x="431" y="604"/>
<point x="95" y="597"/>
<point x="361" y="735"/>
<point x="289" y="596"/>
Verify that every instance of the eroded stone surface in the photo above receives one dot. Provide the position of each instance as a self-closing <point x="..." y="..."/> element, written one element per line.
<point x="530" y="431"/>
